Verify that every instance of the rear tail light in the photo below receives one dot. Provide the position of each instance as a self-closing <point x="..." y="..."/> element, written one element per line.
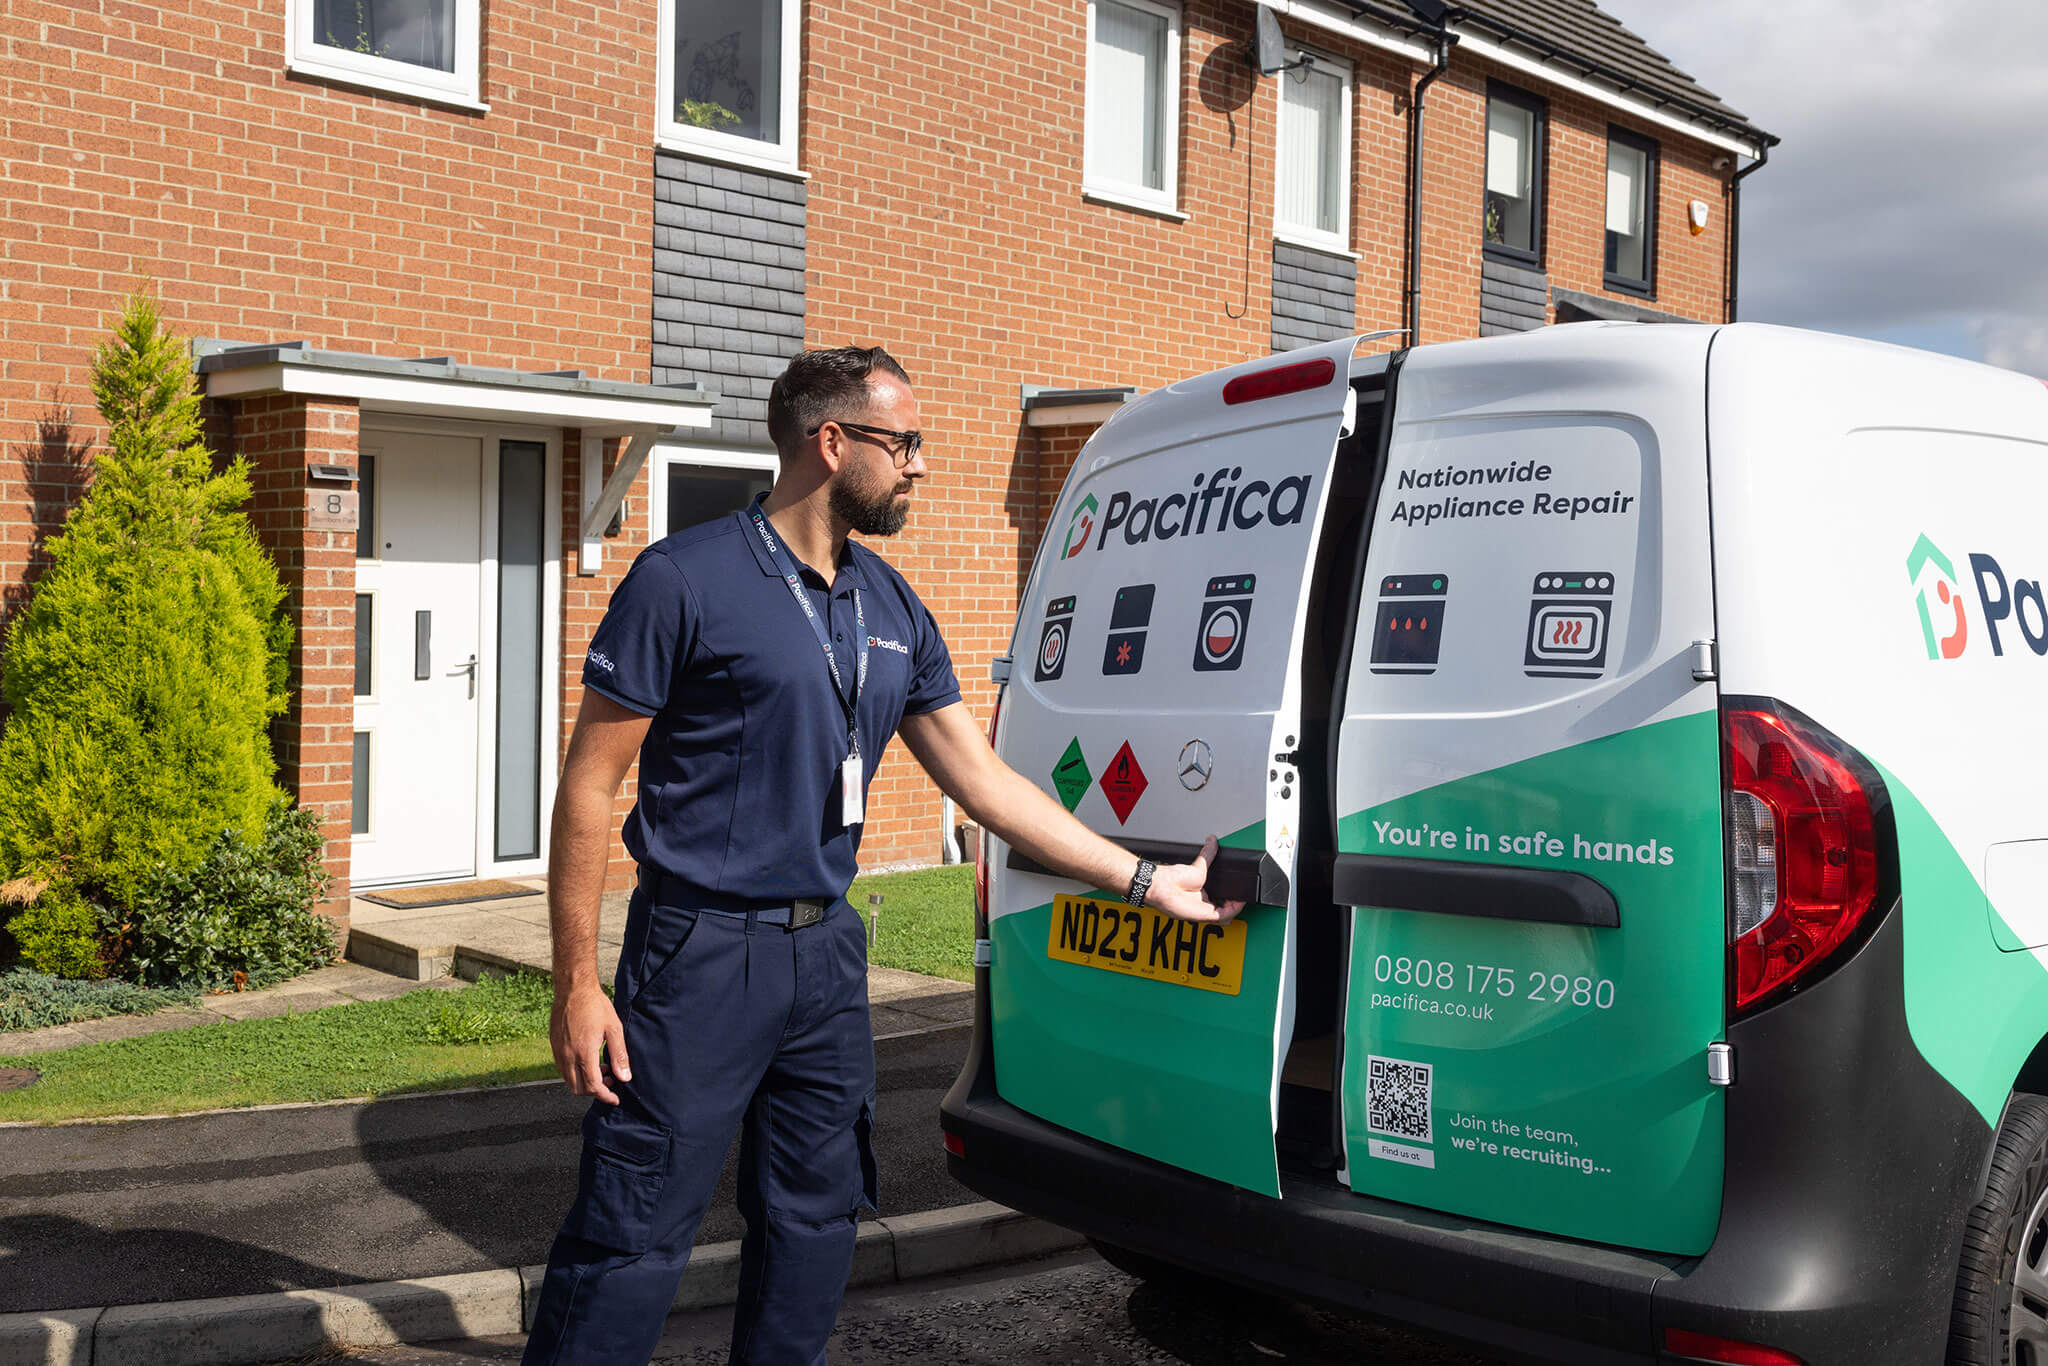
<point x="956" y="1145"/>
<point x="1281" y="379"/>
<point x="1706" y="1347"/>
<point x="1803" y="858"/>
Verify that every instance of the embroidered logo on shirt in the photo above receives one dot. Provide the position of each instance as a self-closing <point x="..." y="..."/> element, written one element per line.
<point x="601" y="662"/>
<point x="877" y="643"/>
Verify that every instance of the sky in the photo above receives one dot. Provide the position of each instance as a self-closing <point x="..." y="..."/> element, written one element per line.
<point x="1909" y="199"/>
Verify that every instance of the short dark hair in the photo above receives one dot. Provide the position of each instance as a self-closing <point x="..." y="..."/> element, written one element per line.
<point x="819" y="386"/>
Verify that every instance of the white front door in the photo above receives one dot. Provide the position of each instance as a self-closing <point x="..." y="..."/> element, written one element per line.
<point x="419" y="590"/>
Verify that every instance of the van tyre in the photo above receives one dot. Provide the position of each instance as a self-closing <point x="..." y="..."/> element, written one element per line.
<point x="2001" y="1304"/>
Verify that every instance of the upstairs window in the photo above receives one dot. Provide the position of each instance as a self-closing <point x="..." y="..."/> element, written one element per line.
<point x="728" y="80"/>
<point x="1631" y="212"/>
<point x="1512" y="213"/>
<point x="423" y="48"/>
<point x="1133" y="133"/>
<point x="1315" y="154"/>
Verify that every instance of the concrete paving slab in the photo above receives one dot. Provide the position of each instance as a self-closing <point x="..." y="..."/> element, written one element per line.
<point x="44" y="1040"/>
<point x="889" y="1020"/>
<point x="264" y="1005"/>
<point x="935" y="1242"/>
<point x="134" y="1026"/>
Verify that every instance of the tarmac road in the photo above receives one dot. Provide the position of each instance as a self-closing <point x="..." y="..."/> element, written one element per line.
<point x="145" y="1211"/>
<point x="1070" y="1309"/>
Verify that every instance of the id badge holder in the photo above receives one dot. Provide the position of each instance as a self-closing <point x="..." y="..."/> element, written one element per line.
<point x="850" y="790"/>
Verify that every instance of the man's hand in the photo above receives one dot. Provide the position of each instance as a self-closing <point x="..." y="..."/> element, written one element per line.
<point x="1177" y="889"/>
<point x="589" y="1043"/>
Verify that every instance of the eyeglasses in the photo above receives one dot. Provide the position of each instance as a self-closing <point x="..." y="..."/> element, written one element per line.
<point x="903" y="447"/>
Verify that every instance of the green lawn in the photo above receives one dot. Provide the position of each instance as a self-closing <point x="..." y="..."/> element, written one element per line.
<point x="927" y="920"/>
<point x="490" y="1034"/>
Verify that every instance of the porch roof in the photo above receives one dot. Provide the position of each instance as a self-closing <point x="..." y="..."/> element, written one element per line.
<point x="440" y="386"/>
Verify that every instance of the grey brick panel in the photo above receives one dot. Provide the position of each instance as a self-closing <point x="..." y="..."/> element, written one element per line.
<point x="1512" y="298"/>
<point x="728" y="306"/>
<point x="1315" y="296"/>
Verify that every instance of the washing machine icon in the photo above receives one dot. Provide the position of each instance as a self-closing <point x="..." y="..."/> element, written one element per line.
<point x="1226" y="620"/>
<point x="1052" y="640"/>
<point x="1570" y="617"/>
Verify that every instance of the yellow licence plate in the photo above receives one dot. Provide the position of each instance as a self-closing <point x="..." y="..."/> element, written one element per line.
<point x="1141" y="942"/>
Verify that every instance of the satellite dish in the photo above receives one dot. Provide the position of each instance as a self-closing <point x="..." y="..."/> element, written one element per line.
<point x="1269" y="51"/>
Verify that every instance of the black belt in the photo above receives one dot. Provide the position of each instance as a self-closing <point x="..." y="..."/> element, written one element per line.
<point x="788" y="913"/>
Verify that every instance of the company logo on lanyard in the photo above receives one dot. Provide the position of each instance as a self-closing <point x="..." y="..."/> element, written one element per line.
<point x="852" y="783"/>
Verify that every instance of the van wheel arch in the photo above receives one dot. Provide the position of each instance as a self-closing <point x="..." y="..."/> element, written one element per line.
<point x="2008" y="1224"/>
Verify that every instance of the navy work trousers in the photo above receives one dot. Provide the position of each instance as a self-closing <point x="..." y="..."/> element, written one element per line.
<point x="730" y="1024"/>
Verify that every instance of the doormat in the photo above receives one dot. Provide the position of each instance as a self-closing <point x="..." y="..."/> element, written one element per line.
<point x="447" y="893"/>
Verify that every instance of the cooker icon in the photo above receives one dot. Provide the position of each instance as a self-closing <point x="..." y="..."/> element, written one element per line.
<point x="1569" y="618"/>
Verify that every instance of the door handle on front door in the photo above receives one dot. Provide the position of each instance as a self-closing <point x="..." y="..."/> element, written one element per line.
<point x="470" y="669"/>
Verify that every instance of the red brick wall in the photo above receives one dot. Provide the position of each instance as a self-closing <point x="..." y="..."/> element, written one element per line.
<point x="280" y="436"/>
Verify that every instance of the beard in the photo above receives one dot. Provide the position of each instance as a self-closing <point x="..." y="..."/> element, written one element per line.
<point x="873" y="509"/>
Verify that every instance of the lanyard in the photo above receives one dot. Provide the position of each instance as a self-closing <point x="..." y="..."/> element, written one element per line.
<point x="786" y="566"/>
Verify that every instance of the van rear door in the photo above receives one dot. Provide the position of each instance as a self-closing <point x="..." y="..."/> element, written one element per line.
<point x="1156" y="684"/>
<point x="1528" y="796"/>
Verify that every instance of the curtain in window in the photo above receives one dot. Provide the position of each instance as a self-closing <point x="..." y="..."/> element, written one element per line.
<point x="1127" y="136"/>
<point x="1628" y="174"/>
<point x="416" y="32"/>
<point x="728" y="64"/>
<point x="1311" y="150"/>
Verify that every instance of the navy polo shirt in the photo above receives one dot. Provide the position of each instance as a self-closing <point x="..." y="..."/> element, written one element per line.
<point x="739" y="774"/>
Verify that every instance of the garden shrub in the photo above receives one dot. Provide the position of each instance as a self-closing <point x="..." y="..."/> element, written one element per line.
<point x="145" y="668"/>
<point x="60" y="933"/>
<point x="35" y="1000"/>
<point x="243" y="917"/>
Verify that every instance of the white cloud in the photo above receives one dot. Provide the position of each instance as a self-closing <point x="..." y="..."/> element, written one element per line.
<point x="1911" y="192"/>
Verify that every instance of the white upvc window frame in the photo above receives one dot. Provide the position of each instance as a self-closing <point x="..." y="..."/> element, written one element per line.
<point x="760" y="460"/>
<point x="462" y="87"/>
<point x="1338" y="242"/>
<point x="1165" y="200"/>
<point x="781" y="156"/>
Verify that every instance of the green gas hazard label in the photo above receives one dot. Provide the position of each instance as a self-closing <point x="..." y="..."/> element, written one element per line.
<point x="1070" y="775"/>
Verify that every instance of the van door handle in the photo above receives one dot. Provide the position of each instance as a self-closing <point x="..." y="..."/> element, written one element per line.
<point x="470" y="669"/>
<point x="1493" y="891"/>
<point x="1248" y="875"/>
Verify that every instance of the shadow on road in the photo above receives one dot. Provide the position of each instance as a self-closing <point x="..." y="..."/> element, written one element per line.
<point x="53" y="1261"/>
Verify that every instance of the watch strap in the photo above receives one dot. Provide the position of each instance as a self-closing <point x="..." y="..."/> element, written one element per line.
<point x="1141" y="882"/>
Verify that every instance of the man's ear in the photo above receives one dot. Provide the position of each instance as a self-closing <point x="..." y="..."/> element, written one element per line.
<point x="832" y="445"/>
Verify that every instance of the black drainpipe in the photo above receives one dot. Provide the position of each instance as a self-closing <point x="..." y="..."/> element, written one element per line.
<point x="1412" y="294"/>
<point x="1735" y="219"/>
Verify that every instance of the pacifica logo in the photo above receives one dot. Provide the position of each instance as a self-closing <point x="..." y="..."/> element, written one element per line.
<point x="1216" y="503"/>
<point x="1945" y="626"/>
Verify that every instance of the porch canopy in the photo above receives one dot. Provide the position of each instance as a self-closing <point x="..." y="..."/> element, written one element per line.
<point x="439" y="386"/>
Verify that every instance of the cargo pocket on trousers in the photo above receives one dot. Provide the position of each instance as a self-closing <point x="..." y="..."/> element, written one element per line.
<point x="863" y="1137"/>
<point x="624" y="1167"/>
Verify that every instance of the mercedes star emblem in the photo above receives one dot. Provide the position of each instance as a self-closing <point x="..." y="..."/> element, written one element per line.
<point x="1195" y="764"/>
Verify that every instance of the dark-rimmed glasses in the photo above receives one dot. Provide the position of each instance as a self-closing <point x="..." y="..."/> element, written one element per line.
<point x="902" y="446"/>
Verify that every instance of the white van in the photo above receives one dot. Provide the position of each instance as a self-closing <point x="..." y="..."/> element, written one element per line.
<point x="1632" y="741"/>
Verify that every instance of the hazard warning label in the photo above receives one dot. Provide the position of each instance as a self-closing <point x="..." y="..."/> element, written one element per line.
<point x="1123" y="782"/>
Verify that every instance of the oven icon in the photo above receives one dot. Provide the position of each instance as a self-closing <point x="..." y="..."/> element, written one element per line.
<point x="1569" y="618"/>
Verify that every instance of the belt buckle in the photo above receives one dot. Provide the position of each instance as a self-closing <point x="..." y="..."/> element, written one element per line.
<point x="808" y="911"/>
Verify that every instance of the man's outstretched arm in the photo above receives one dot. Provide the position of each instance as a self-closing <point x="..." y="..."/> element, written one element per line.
<point x="584" y="1030"/>
<point x="950" y="745"/>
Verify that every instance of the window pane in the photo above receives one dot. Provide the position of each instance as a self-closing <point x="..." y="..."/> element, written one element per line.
<point x="416" y="32"/>
<point x="1312" y="182"/>
<point x="1628" y="176"/>
<point x="366" y="637"/>
<point x="366" y="519"/>
<point x="1511" y="175"/>
<point x="1124" y="98"/>
<point x="698" y="493"/>
<point x="359" y="793"/>
<point x="522" y="505"/>
<point x="729" y="67"/>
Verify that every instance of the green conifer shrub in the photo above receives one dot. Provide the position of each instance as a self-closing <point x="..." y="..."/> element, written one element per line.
<point x="144" y="670"/>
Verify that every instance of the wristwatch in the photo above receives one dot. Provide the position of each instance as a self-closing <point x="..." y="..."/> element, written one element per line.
<point x="1141" y="882"/>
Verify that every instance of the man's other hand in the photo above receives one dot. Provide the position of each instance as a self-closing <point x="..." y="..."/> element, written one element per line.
<point x="1177" y="889"/>
<point x="589" y="1043"/>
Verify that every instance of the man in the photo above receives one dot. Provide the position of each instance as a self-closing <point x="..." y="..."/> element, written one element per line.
<point x="757" y="666"/>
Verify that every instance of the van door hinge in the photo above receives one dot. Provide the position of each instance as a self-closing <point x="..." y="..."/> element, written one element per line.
<point x="1721" y="1064"/>
<point x="1705" y="661"/>
<point x="999" y="669"/>
<point x="983" y="953"/>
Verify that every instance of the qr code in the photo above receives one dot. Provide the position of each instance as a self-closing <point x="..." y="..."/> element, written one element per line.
<point x="1397" y="1096"/>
